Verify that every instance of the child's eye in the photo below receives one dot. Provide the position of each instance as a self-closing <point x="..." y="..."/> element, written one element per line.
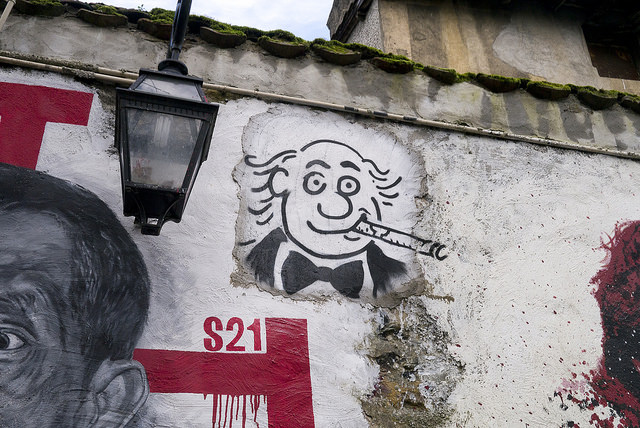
<point x="10" y="341"/>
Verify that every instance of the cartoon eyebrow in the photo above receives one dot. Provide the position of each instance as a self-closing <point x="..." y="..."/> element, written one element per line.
<point x="317" y="162"/>
<point x="348" y="164"/>
<point x="288" y="154"/>
<point x="398" y="180"/>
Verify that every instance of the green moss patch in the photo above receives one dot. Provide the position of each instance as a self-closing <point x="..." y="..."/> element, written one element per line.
<point x="597" y="99"/>
<point x="283" y="48"/>
<point x="632" y="102"/>
<point x="393" y="65"/>
<point x="444" y="75"/>
<point x="218" y="26"/>
<point x="252" y="34"/>
<point x="46" y="2"/>
<point x="284" y="36"/>
<point x="496" y="77"/>
<point x="548" y="85"/>
<point x="108" y="10"/>
<point x="332" y="46"/>
<point x="366" y="51"/>
<point x="548" y="90"/>
<point x="593" y="91"/>
<point x="162" y="16"/>
<point x="41" y="7"/>
<point x="335" y="52"/>
<point x="496" y="83"/>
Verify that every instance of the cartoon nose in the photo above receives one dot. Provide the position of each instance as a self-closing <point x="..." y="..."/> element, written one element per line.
<point x="338" y="208"/>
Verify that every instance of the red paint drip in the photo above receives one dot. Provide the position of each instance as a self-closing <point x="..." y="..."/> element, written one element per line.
<point x="256" y="406"/>
<point x="244" y="410"/>
<point x="215" y="410"/>
<point x="226" y="410"/>
<point x="281" y="375"/>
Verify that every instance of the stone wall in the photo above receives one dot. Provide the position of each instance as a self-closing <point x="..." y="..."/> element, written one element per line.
<point x="524" y="39"/>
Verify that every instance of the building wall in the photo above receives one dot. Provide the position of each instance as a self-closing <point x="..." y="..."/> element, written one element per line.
<point x="525" y="40"/>
<point x="493" y="282"/>
<point x="368" y="31"/>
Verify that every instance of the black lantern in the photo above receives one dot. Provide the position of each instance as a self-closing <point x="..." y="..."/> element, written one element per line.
<point x="163" y="131"/>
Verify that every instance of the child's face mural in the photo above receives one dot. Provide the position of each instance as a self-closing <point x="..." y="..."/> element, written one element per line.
<point x="70" y="278"/>
<point x="324" y="198"/>
<point x="34" y="333"/>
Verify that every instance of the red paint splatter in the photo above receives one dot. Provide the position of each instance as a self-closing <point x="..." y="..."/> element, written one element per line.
<point x="615" y="384"/>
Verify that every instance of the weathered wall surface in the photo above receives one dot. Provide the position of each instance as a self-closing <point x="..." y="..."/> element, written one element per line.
<point x="368" y="31"/>
<point x="334" y="270"/>
<point x="525" y="41"/>
<point x="414" y="94"/>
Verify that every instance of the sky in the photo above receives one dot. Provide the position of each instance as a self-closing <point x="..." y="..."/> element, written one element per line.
<point x="304" y="18"/>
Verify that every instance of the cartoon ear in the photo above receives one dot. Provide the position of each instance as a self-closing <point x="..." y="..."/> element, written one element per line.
<point x="279" y="182"/>
<point x="120" y="388"/>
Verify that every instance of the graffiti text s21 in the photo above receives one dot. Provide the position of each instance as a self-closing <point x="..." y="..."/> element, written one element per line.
<point x="234" y="335"/>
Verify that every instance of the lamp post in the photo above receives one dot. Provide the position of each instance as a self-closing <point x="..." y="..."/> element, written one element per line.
<point x="163" y="131"/>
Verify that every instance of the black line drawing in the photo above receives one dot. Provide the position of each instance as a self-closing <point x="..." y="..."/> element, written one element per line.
<point x="74" y="296"/>
<point x="328" y="192"/>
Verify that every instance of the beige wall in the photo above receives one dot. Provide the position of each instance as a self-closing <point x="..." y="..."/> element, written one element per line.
<point x="526" y="42"/>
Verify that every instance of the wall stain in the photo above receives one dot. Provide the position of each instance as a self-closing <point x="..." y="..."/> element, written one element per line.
<point x="417" y="372"/>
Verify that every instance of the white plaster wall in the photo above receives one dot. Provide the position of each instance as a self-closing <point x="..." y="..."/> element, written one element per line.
<point x="527" y="225"/>
<point x="523" y="225"/>
<point x="190" y="265"/>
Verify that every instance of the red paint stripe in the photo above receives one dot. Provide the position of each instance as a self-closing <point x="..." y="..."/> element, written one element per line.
<point x="282" y="373"/>
<point x="24" y="112"/>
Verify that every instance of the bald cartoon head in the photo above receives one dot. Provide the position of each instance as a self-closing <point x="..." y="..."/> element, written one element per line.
<point x="325" y="188"/>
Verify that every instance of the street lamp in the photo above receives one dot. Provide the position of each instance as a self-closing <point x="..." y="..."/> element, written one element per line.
<point x="163" y="131"/>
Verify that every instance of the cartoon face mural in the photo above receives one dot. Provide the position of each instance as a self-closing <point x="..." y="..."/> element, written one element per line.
<point x="326" y="190"/>
<point x="333" y="209"/>
<point x="73" y="303"/>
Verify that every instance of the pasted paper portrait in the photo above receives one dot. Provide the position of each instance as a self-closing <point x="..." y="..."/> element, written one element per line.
<point x="327" y="206"/>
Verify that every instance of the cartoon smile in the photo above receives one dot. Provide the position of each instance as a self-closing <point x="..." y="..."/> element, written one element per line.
<point x="328" y="232"/>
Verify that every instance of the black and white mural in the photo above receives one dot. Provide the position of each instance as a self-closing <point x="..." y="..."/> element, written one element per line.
<point x="328" y="210"/>
<point x="74" y="302"/>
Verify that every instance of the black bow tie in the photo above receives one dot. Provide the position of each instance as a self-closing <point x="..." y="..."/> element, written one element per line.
<point x="299" y="272"/>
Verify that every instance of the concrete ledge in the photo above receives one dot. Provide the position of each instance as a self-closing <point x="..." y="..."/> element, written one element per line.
<point x="361" y="86"/>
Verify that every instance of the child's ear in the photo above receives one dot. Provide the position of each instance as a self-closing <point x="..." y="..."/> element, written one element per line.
<point x="119" y="389"/>
<point x="279" y="182"/>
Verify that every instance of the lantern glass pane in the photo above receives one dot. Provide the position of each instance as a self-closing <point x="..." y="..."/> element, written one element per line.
<point x="162" y="85"/>
<point x="160" y="147"/>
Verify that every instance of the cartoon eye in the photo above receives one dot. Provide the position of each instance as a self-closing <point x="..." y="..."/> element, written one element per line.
<point x="10" y="341"/>
<point x="348" y="186"/>
<point x="314" y="183"/>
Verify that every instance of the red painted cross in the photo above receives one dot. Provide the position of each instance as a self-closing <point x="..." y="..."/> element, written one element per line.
<point x="282" y="373"/>
<point x="24" y="112"/>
